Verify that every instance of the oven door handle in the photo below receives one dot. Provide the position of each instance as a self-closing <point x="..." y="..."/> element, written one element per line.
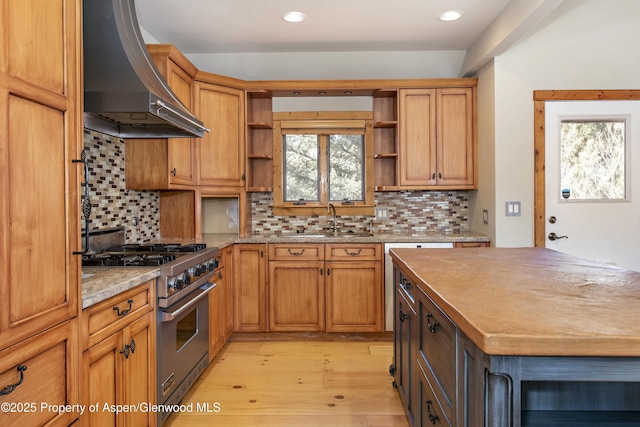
<point x="166" y="316"/>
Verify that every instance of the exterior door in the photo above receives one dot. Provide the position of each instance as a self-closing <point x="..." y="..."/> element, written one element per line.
<point x="590" y="175"/>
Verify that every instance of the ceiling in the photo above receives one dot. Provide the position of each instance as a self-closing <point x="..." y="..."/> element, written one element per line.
<point x="239" y="26"/>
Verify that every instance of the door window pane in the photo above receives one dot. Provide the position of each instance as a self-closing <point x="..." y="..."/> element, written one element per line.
<point x="346" y="161"/>
<point x="593" y="159"/>
<point x="301" y="168"/>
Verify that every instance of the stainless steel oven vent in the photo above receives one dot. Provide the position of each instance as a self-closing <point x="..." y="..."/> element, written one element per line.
<point x="124" y="93"/>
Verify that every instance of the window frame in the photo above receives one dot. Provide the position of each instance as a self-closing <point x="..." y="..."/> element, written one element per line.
<point x="323" y="123"/>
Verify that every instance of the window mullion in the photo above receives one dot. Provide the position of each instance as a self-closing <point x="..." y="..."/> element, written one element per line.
<point x="324" y="169"/>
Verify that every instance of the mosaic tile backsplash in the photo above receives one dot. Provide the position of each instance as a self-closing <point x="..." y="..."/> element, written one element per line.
<point x="112" y="205"/>
<point x="409" y="212"/>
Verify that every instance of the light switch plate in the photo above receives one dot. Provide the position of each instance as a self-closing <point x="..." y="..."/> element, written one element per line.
<point x="382" y="213"/>
<point x="512" y="209"/>
<point x="485" y="216"/>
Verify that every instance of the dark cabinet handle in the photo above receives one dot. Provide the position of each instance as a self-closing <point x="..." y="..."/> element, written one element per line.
<point x="433" y="176"/>
<point x="439" y="175"/>
<point x="8" y="389"/>
<point x="128" y="348"/>
<point x="123" y="312"/>
<point x="432" y="326"/>
<point x="261" y="254"/>
<point x="174" y="171"/>
<point x="432" y="418"/>
<point x="353" y="253"/>
<point x="321" y="272"/>
<point x="328" y="271"/>
<point x="295" y="253"/>
<point x="403" y="316"/>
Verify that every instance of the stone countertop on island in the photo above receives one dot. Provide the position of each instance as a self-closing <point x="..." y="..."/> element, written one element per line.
<point x="531" y="301"/>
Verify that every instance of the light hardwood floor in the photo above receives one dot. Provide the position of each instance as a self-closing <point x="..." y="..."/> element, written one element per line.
<point x="296" y="383"/>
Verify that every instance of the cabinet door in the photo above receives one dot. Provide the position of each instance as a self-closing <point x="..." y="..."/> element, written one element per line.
<point x="101" y="371"/>
<point x="139" y="371"/>
<point x="227" y="292"/>
<point x="40" y="134"/>
<point x="404" y="325"/>
<point x="455" y="137"/>
<point x="181" y="150"/>
<point x="250" y="288"/>
<point x="296" y="296"/>
<point x="354" y="296"/>
<point x="47" y="364"/>
<point x="220" y="153"/>
<point x="418" y="129"/>
<point x="217" y="314"/>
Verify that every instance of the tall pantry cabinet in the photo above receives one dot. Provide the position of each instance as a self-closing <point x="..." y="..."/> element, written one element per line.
<point x="40" y="137"/>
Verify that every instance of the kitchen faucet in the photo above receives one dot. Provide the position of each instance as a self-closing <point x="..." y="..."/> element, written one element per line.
<point x="330" y="206"/>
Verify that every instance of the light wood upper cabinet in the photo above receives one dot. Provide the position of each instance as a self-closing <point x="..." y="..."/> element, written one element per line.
<point x="437" y="147"/>
<point x="220" y="153"/>
<point x="165" y="163"/>
<point x="40" y="136"/>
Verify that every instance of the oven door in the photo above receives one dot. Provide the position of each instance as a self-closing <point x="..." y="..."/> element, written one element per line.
<point x="183" y="344"/>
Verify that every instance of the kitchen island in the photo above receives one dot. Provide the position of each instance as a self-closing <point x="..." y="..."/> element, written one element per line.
<point x="515" y="337"/>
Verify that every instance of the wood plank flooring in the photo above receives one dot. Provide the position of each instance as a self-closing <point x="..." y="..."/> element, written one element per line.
<point x="296" y="383"/>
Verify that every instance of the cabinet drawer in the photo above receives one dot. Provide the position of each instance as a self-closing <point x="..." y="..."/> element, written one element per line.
<point x="296" y="252"/>
<point x="437" y="347"/>
<point x="431" y="412"/>
<point x="471" y="244"/>
<point x="353" y="252"/>
<point x="103" y="319"/>
<point x="48" y="363"/>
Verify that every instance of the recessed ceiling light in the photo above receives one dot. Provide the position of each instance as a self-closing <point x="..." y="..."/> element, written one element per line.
<point x="294" y="17"/>
<point x="450" y="15"/>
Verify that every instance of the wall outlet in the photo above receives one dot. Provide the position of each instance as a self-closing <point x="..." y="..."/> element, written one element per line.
<point x="512" y="208"/>
<point x="485" y="216"/>
<point x="382" y="213"/>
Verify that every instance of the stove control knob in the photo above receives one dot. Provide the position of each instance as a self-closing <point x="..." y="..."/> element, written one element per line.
<point x="182" y="280"/>
<point x="201" y="269"/>
<point x="193" y="271"/>
<point x="172" y="283"/>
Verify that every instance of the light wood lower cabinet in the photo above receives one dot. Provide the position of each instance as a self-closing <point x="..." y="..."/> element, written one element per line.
<point x="221" y="306"/>
<point x="120" y="368"/>
<point x="354" y="295"/>
<point x="250" y="287"/>
<point x="40" y="374"/>
<point x="332" y="287"/>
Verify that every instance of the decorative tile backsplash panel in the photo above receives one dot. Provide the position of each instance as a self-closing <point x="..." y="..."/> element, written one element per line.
<point x="409" y="212"/>
<point x="112" y="205"/>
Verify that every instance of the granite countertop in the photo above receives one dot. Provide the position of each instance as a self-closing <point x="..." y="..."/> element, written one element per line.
<point x="531" y="301"/>
<point x="101" y="283"/>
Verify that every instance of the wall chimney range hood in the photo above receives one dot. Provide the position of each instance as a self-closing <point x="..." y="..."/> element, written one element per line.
<point x="124" y="93"/>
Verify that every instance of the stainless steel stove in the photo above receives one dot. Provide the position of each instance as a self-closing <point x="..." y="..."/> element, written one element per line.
<point x="187" y="275"/>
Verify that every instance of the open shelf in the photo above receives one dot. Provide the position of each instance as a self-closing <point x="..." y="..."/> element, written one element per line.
<point x="580" y="418"/>
<point x="259" y="141"/>
<point x="385" y="139"/>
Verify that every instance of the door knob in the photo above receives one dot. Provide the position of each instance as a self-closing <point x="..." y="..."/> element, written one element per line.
<point x="552" y="219"/>
<point x="554" y="236"/>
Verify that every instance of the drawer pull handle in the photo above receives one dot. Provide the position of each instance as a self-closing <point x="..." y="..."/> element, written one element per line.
<point x="295" y="253"/>
<point x="432" y="418"/>
<point x="432" y="326"/>
<point x="353" y="253"/>
<point x="403" y="316"/>
<point x="8" y="389"/>
<point x="124" y="312"/>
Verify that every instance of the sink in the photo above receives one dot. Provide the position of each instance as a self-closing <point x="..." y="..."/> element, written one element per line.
<point x="342" y="234"/>
<point x="305" y="235"/>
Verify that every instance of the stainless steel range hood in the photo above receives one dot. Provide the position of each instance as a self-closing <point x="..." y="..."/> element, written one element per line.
<point x="124" y="93"/>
